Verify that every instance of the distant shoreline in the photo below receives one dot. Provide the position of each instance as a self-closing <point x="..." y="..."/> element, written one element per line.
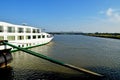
<point x="102" y="35"/>
<point x="105" y="35"/>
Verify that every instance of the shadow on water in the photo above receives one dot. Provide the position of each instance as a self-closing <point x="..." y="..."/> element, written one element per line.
<point x="59" y="76"/>
<point x="6" y="73"/>
<point x="49" y="75"/>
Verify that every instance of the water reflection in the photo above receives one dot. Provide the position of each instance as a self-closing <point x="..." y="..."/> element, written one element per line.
<point x="46" y="49"/>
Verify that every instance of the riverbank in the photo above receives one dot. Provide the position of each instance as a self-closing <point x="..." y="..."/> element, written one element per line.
<point x="104" y="35"/>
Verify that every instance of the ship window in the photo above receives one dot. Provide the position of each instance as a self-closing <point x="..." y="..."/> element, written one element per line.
<point x="11" y="29"/>
<point x="34" y="37"/>
<point x="11" y="38"/>
<point x="20" y="37"/>
<point x="28" y="30"/>
<point x="28" y="37"/>
<point x="20" y="30"/>
<point x="38" y="31"/>
<point x="18" y="45"/>
<point x="49" y="36"/>
<point x="34" y="30"/>
<point x="1" y="28"/>
<point x="43" y="36"/>
<point x="22" y="45"/>
<point x="29" y="44"/>
<point x="39" y="36"/>
<point x="1" y="37"/>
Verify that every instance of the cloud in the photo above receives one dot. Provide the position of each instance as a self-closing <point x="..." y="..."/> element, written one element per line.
<point x="113" y="15"/>
<point x="109" y="21"/>
<point x="109" y="12"/>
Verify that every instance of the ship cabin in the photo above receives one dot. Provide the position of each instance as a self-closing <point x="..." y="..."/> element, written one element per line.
<point x="22" y="35"/>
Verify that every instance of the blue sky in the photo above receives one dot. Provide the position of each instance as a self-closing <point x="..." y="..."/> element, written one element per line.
<point x="64" y="15"/>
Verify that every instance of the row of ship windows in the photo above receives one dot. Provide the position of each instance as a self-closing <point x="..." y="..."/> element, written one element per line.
<point x="28" y="45"/>
<point x="19" y="30"/>
<point x="22" y="37"/>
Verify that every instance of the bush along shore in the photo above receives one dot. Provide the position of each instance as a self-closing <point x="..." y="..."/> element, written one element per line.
<point x="104" y="35"/>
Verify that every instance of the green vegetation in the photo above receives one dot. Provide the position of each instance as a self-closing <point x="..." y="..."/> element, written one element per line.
<point x="104" y="35"/>
<point x="96" y="34"/>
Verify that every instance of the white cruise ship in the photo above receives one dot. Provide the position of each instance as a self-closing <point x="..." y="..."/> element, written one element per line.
<point x="23" y="35"/>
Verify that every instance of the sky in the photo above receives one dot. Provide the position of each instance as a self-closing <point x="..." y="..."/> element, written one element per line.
<point x="64" y="15"/>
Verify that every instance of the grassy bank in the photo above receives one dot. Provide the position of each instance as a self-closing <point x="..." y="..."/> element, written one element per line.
<point x="105" y="35"/>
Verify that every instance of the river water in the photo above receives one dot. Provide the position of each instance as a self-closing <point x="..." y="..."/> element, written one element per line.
<point x="101" y="55"/>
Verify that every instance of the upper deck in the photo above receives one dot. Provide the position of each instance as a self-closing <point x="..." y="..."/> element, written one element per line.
<point x="12" y="28"/>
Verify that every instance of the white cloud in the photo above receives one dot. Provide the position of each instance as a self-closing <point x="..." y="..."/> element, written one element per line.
<point x="109" y="12"/>
<point x="113" y="15"/>
<point x="109" y="21"/>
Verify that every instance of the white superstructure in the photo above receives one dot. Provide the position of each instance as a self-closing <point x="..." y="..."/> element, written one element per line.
<point x="23" y="35"/>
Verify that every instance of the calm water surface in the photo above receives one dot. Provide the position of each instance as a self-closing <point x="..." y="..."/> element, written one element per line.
<point x="97" y="54"/>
